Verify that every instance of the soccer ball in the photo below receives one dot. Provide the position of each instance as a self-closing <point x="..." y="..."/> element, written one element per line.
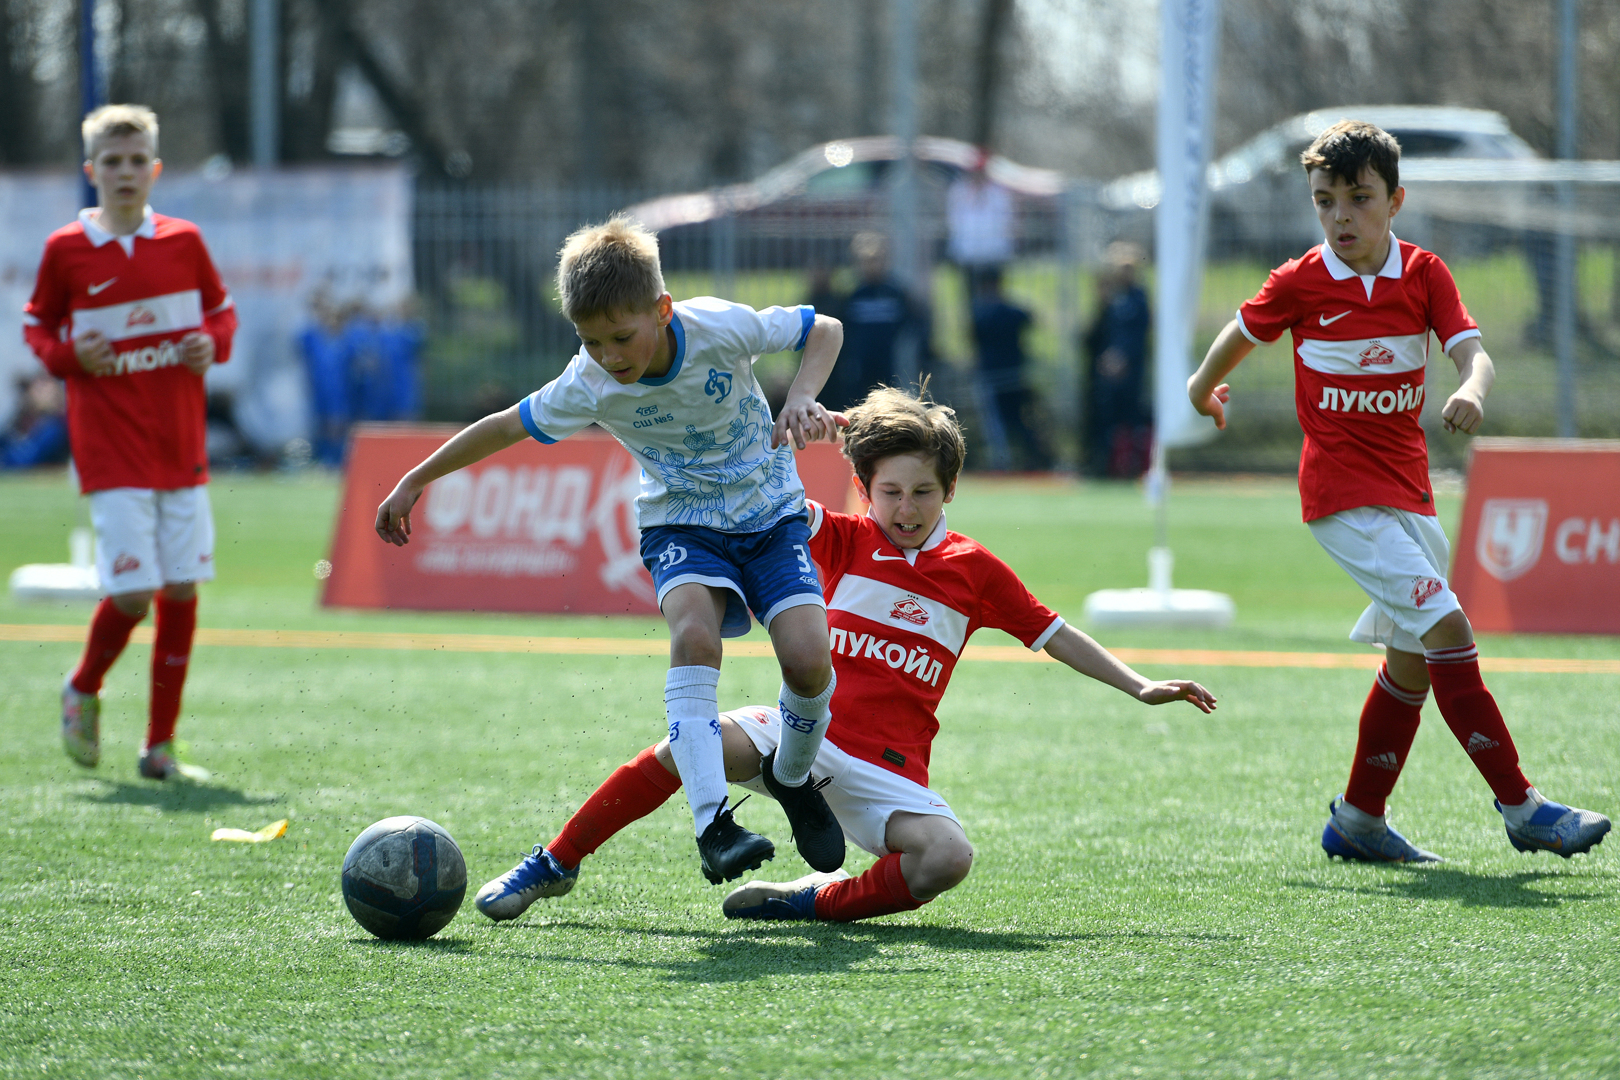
<point x="404" y="878"/>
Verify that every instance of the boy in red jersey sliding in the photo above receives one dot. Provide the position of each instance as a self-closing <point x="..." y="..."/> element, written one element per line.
<point x="903" y="597"/>
<point x="1360" y="308"/>
<point x="129" y="311"/>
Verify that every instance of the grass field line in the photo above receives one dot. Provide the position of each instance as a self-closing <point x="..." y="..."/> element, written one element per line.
<point x="592" y="646"/>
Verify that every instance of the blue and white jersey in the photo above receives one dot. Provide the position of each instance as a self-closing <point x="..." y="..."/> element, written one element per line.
<point x="701" y="432"/>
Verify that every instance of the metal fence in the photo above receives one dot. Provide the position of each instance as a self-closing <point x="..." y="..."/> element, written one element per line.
<point x="485" y="265"/>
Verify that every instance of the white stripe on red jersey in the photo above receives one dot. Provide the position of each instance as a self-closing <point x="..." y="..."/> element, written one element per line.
<point x="171" y="313"/>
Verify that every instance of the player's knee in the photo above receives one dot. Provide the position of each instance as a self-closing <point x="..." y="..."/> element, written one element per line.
<point x="180" y="591"/>
<point x="1450" y="632"/>
<point x="944" y="865"/>
<point x="133" y="604"/>
<point x="691" y="642"/>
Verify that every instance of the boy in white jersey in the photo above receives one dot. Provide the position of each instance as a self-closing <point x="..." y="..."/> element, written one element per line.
<point x="1360" y="308"/>
<point x="721" y="510"/>
<point x="904" y="595"/>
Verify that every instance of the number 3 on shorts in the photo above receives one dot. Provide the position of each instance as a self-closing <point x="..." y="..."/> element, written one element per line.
<point x="804" y="560"/>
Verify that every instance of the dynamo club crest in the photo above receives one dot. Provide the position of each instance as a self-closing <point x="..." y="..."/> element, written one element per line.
<point x="1510" y="536"/>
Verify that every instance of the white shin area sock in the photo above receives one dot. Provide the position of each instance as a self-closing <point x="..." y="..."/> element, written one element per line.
<point x="1521" y="814"/>
<point x="691" y="700"/>
<point x="1357" y="821"/>
<point x="804" y="723"/>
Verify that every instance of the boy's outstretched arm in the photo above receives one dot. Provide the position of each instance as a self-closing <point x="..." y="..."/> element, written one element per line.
<point x="1087" y="657"/>
<point x="473" y="443"/>
<point x="1465" y="409"/>
<point x="1206" y="388"/>
<point x="802" y="416"/>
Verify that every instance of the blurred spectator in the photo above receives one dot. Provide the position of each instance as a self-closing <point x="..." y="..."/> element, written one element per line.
<point x="326" y="348"/>
<point x="827" y="300"/>
<point x="886" y="333"/>
<point x="979" y="218"/>
<point x="1119" y="424"/>
<point x="38" y="434"/>
<point x="998" y="331"/>
<point x="400" y="336"/>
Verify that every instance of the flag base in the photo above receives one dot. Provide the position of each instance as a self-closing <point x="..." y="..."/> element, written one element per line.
<point x="1193" y="608"/>
<point x="56" y="583"/>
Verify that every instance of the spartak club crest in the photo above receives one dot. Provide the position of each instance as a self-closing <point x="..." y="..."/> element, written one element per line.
<point x="1376" y="354"/>
<point x="1510" y="536"/>
<point x="908" y="610"/>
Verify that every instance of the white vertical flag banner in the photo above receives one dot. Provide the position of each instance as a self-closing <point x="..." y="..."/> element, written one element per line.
<point x="1188" y="33"/>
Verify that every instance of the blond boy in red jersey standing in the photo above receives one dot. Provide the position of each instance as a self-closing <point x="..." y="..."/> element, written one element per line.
<point x="129" y="311"/>
<point x="1360" y="308"/>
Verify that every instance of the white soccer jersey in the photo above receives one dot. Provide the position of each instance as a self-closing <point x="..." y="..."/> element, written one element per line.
<point x="701" y="432"/>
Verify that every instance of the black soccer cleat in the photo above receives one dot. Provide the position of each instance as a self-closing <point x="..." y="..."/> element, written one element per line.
<point x="816" y="832"/>
<point x="727" y="849"/>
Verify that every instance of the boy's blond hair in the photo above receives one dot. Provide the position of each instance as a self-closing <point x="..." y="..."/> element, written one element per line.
<point x="112" y="120"/>
<point x="891" y="421"/>
<point x="609" y="269"/>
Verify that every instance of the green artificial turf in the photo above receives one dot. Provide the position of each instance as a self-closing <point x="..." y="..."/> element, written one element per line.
<point x="1149" y="898"/>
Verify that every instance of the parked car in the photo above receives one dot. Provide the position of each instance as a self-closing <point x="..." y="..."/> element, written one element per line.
<point x="805" y="211"/>
<point x="1258" y="201"/>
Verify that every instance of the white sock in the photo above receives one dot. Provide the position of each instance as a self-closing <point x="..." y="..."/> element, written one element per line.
<point x="1357" y="822"/>
<point x="1519" y="815"/>
<point x="692" y="702"/>
<point x="804" y="723"/>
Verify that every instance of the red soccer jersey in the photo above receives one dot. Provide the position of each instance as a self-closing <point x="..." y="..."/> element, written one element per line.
<point x="142" y="425"/>
<point x="1361" y="344"/>
<point x="899" y="621"/>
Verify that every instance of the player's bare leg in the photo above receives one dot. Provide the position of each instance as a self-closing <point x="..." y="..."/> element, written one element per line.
<point x="694" y="612"/>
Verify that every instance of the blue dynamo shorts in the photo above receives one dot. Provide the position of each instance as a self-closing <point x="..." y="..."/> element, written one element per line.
<point x="766" y="572"/>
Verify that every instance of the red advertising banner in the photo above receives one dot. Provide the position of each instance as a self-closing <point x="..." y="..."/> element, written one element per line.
<point x="533" y="528"/>
<point x="1539" y="548"/>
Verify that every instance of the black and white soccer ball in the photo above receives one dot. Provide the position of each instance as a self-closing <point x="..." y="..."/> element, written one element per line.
<point x="404" y="878"/>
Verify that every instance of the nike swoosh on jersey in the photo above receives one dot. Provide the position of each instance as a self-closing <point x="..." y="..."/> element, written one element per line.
<point x="94" y="289"/>
<point x="878" y="556"/>
<point x="1325" y="321"/>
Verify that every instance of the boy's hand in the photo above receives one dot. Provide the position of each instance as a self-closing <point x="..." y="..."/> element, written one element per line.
<point x="1463" y="412"/>
<point x="197" y="352"/>
<point x="394" y="515"/>
<point x="1215" y="404"/>
<point x="95" y="353"/>
<point x="807" y="420"/>
<point x="1177" y="690"/>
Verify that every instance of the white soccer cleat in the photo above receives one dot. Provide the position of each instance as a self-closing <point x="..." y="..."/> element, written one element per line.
<point x="81" y="725"/>
<point x="793" y="901"/>
<point x="162" y="762"/>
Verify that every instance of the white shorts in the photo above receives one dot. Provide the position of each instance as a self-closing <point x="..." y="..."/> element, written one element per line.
<point x="862" y="795"/>
<point x="147" y="539"/>
<point x="1399" y="559"/>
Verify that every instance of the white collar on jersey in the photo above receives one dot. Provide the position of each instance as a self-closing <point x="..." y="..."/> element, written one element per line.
<point x="935" y="538"/>
<point x="98" y="236"/>
<point x="1340" y="271"/>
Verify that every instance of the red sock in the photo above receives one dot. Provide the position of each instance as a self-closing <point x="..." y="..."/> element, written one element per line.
<point x="1471" y="712"/>
<point x="880" y="891"/>
<point x="1389" y="723"/>
<point x="171" y="654"/>
<point x="109" y="633"/>
<point x="635" y="789"/>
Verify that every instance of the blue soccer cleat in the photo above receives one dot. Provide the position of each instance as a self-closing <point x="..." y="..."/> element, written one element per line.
<point x="1562" y="830"/>
<point x="1388" y="846"/>
<point x="538" y="875"/>
<point x="788" y="901"/>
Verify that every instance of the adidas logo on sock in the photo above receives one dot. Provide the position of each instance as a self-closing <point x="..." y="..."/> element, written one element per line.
<point x="1386" y="760"/>
<point x="1478" y="743"/>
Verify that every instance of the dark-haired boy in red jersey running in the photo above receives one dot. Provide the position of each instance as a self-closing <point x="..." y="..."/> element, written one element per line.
<point x="904" y="594"/>
<point x="1360" y="308"/>
<point x="129" y="310"/>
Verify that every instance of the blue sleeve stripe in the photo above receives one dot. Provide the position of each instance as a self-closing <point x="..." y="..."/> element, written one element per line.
<point x="526" y="414"/>
<point x="807" y="315"/>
